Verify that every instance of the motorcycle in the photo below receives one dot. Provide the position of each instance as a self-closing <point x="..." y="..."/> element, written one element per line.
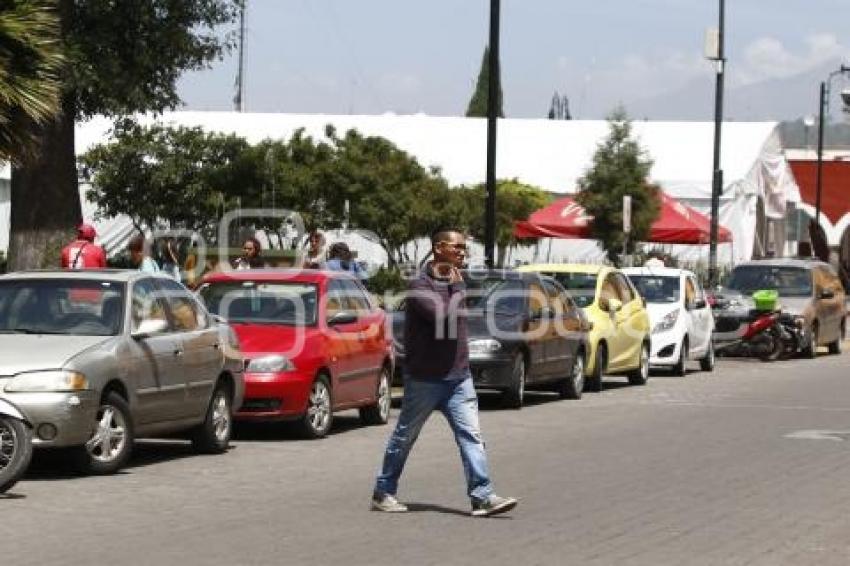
<point x="15" y="445"/>
<point x="765" y="333"/>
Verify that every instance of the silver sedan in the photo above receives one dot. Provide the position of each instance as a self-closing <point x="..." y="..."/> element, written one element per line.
<point x="97" y="359"/>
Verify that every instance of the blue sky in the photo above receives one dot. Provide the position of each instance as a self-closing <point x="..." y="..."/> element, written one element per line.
<point x="375" y="56"/>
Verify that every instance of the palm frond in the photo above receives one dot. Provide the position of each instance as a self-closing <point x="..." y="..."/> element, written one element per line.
<point x="31" y="66"/>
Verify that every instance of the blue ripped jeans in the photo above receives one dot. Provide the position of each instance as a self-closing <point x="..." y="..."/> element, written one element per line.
<point x="456" y="399"/>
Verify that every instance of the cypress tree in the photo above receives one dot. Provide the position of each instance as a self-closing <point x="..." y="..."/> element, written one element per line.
<point x="478" y="103"/>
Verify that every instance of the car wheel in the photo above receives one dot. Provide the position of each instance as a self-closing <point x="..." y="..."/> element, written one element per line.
<point x="640" y="375"/>
<point x="15" y="451"/>
<point x="111" y="441"/>
<point x="680" y="368"/>
<point x="379" y="412"/>
<point x="707" y="363"/>
<point x="594" y="380"/>
<point x="573" y="386"/>
<point x="213" y="436"/>
<point x="317" y="421"/>
<point x="513" y="397"/>
<point x="811" y="349"/>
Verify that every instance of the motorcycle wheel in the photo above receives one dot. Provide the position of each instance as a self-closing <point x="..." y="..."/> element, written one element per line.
<point x="774" y="351"/>
<point x="15" y="451"/>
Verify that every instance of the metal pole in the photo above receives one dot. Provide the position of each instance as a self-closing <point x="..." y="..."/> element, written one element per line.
<point x="717" y="174"/>
<point x="237" y="99"/>
<point x="820" y="152"/>
<point x="492" y="111"/>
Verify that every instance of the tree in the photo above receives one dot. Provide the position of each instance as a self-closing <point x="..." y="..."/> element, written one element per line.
<point x="478" y="103"/>
<point x="390" y="193"/>
<point x="30" y="65"/>
<point x="620" y="167"/>
<point x="168" y="177"/>
<point x="123" y="57"/>
<point x="515" y="201"/>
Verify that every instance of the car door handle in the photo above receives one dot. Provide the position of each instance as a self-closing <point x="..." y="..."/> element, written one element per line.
<point x="216" y="346"/>
<point x="178" y="352"/>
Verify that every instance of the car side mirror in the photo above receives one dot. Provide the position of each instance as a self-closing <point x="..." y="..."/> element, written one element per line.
<point x="149" y="327"/>
<point x="827" y="294"/>
<point x="342" y="317"/>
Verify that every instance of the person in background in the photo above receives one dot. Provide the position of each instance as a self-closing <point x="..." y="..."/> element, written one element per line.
<point x="250" y="258"/>
<point x="437" y="378"/>
<point x="170" y="262"/>
<point x="315" y="256"/>
<point x="340" y="258"/>
<point x="83" y="253"/>
<point x="139" y="257"/>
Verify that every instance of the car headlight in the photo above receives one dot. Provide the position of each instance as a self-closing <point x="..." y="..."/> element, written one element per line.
<point x="487" y="346"/>
<point x="270" y="364"/>
<point x="53" y="380"/>
<point x="666" y="323"/>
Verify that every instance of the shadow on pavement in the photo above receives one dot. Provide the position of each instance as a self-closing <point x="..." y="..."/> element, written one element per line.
<point x="276" y="431"/>
<point x="12" y="495"/>
<point x="430" y="507"/>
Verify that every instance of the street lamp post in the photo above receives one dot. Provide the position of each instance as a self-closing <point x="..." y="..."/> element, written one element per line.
<point x="492" y="114"/>
<point x="717" y="173"/>
<point x="825" y="87"/>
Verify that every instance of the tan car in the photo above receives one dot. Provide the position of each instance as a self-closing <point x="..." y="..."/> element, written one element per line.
<point x="96" y="359"/>
<point x="808" y="289"/>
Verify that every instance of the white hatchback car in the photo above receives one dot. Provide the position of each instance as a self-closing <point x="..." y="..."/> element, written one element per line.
<point x="680" y="317"/>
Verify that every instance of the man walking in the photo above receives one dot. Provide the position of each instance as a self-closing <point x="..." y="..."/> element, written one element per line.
<point x="437" y="377"/>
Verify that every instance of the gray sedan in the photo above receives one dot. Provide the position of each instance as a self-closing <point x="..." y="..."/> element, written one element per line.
<point x="97" y="359"/>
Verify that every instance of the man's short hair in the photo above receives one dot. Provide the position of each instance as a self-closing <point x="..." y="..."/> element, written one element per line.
<point x="136" y="243"/>
<point x="443" y="232"/>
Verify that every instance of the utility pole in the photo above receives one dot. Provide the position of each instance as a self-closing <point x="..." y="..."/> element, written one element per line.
<point x="492" y="115"/>
<point x="237" y="99"/>
<point x="823" y="109"/>
<point x="717" y="172"/>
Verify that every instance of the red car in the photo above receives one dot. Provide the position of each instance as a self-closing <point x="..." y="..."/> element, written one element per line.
<point x="314" y="341"/>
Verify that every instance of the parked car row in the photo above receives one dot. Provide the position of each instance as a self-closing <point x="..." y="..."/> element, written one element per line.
<point x="626" y="321"/>
<point x="96" y="359"/>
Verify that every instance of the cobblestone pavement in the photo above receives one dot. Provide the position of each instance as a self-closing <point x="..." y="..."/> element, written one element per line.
<point x="746" y="465"/>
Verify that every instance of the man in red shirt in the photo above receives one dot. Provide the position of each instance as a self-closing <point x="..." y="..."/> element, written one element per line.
<point x="83" y="253"/>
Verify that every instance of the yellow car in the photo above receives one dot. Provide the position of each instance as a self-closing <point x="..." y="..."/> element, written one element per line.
<point x="619" y="340"/>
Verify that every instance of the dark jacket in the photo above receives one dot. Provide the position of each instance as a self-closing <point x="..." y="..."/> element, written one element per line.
<point x="435" y="334"/>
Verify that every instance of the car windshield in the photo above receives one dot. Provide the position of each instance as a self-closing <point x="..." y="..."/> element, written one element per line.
<point x="496" y="294"/>
<point x="580" y="286"/>
<point x="75" y="307"/>
<point x="261" y="302"/>
<point x="657" y="288"/>
<point x="787" y="281"/>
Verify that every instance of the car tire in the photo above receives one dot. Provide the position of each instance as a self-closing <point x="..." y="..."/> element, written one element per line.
<point x="379" y="412"/>
<point x="111" y="444"/>
<point x="573" y="385"/>
<point x="514" y="396"/>
<point x="707" y="362"/>
<point x="317" y="420"/>
<point x="811" y="349"/>
<point x="680" y="369"/>
<point x="640" y="375"/>
<point x="16" y="450"/>
<point x="594" y="380"/>
<point x="213" y="436"/>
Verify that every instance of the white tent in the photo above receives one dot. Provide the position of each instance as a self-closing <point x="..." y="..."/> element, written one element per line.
<point x="550" y="154"/>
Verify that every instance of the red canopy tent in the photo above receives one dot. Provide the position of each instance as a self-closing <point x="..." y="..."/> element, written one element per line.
<point x="677" y="223"/>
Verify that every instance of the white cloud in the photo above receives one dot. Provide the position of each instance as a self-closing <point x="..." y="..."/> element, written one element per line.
<point x="768" y="58"/>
